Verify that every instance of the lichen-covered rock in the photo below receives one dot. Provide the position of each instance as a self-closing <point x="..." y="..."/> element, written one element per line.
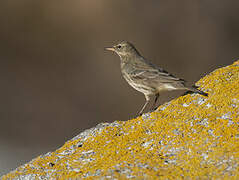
<point x="191" y="137"/>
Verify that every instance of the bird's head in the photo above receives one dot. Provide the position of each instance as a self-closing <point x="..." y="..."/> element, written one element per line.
<point x="124" y="49"/>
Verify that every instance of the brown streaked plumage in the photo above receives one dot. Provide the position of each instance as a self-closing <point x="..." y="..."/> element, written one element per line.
<point x="146" y="77"/>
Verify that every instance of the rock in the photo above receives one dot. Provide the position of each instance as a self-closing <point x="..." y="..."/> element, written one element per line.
<point x="191" y="137"/>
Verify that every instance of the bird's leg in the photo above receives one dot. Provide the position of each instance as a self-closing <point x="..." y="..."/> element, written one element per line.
<point x="146" y="103"/>
<point x="155" y="101"/>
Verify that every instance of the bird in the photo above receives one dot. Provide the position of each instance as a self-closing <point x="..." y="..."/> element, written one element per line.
<point x="146" y="77"/>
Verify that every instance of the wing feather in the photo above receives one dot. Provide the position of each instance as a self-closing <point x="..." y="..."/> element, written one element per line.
<point x="158" y="75"/>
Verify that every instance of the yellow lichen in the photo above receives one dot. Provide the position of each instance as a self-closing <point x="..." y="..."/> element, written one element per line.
<point x="188" y="138"/>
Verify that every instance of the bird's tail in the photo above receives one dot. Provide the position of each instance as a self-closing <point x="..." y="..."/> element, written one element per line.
<point x="194" y="89"/>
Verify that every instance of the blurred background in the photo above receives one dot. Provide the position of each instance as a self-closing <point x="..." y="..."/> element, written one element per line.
<point x="56" y="79"/>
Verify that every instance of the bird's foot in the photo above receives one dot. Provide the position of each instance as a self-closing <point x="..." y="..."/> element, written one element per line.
<point x="139" y="114"/>
<point x="153" y="109"/>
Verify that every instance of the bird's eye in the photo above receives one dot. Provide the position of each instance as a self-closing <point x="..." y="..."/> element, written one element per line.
<point x="119" y="46"/>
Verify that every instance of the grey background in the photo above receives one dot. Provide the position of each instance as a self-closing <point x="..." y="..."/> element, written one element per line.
<point x="56" y="80"/>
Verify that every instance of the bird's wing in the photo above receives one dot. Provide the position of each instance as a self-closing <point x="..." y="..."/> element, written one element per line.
<point x="154" y="74"/>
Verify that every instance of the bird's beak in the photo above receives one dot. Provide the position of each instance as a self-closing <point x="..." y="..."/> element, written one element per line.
<point x="110" y="49"/>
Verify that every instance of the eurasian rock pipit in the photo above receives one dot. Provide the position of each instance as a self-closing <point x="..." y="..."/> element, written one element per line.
<point x="146" y="77"/>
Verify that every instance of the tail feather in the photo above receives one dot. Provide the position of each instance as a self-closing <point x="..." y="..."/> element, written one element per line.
<point x="194" y="89"/>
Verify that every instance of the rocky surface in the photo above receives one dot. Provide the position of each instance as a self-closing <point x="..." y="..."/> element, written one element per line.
<point x="191" y="137"/>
